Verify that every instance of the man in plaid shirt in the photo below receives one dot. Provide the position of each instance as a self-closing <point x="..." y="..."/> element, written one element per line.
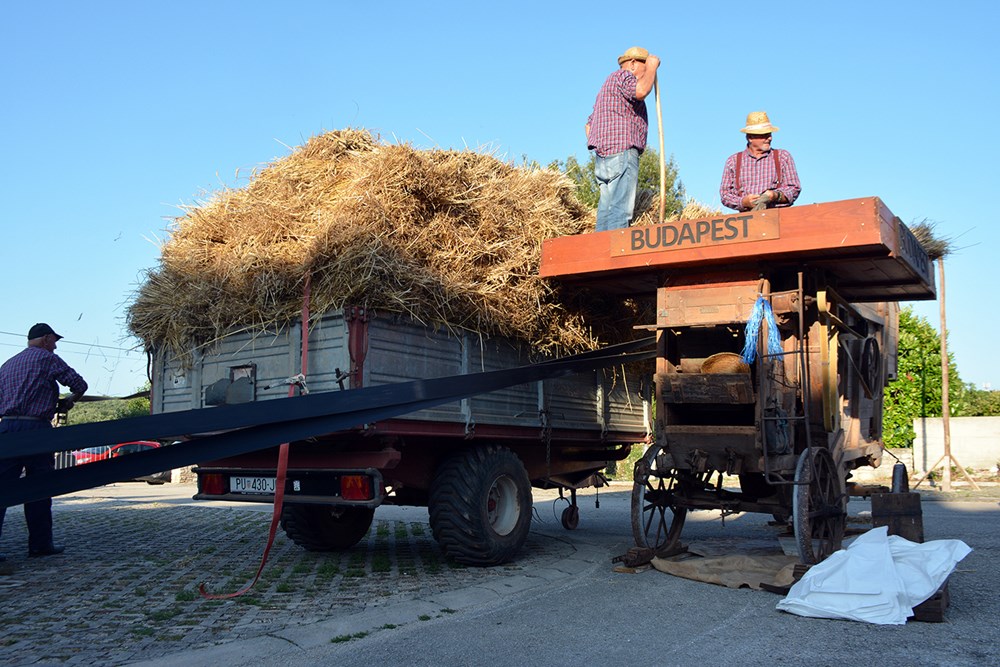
<point x="29" y="398"/>
<point x="616" y="132"/>
<point x="759" y="177"/>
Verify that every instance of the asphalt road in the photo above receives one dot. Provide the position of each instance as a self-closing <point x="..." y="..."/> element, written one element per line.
<point x="561" y="603"/>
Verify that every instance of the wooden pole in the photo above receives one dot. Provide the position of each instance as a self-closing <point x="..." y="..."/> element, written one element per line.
<point x="663" y="163"/>
<point x="945" y="407"/>
<point x="947" y="458"/>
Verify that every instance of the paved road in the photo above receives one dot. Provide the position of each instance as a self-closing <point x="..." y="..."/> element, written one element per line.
<point x="126" y="593"/>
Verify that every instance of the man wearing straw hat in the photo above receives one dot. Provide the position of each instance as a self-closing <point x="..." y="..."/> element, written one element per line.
<point x="759" y="177"/>
<point x="616" y="132"/>
<point x="29" y="398"/>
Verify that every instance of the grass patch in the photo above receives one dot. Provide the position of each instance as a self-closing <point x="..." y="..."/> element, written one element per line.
<point x="284" y="587"/>
<point x="423" y="617"/>
<point x="416" y="529"/>
<point x="328" y="569"/>
<point x="162" y="614"/>
<point x="401" y="533"/>
<point x="389" y="626"/>
<point x="381" y="563"/>
<point x="186" y="596"/>
<point x="339" y="639"/>
<point x="382" y="530"/>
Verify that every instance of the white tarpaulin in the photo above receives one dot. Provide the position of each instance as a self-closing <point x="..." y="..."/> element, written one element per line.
<point x="879" y="578"/>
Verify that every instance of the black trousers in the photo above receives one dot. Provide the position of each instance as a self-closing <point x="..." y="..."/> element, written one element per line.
<point x="38" y="513"/>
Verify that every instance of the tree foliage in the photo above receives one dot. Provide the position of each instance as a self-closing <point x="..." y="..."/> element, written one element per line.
<point x="100" y="411"/>
<point x="649" y="179"/>
<point x="980" y="402"/>
<point x="916" y="392"/>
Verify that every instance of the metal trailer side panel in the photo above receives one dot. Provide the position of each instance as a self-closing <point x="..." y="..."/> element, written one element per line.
<point x="400" y="350"/>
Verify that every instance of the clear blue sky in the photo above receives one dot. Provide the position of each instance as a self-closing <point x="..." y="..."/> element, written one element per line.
<point x="115" y="114"/>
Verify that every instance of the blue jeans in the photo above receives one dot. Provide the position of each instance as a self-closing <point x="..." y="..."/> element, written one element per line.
<point x="38" y="513"/>
<point x="617" y="177"/>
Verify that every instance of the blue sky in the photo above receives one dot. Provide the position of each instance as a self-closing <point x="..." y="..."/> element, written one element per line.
<point x="115" y="114"/>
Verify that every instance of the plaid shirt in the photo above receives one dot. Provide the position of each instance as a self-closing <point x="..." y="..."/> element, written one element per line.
<point x="757" y="174"/>
<point x="618" y="121"/>
<point x="28" y="383"/>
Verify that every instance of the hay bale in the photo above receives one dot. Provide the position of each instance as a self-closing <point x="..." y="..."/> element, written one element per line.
<point x="451" y="238"/>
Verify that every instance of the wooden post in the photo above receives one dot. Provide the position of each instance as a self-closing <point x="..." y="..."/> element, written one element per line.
<point x="945" y="407"/>
<point x="947" y="459"/>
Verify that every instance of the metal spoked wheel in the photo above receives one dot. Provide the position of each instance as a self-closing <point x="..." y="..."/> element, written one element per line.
<point x="657" y="521"/>
<point x="819" y="504"/>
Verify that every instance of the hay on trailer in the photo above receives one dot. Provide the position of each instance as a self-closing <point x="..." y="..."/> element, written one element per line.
<point x="450" y="238"/>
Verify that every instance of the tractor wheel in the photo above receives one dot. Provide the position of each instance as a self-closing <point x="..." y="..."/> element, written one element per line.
<point x="325" y="527"/>
<point x="480" y="506"/>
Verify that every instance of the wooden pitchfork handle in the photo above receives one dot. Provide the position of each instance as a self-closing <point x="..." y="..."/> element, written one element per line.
<point x="663" y="163"/>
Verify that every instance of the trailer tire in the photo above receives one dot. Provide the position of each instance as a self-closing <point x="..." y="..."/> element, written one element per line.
<point x="480" y="506"/>
<point x="325" y="527"/>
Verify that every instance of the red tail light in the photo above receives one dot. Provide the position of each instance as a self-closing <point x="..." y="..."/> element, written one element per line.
<point x="212" y="484"/>
<point x="356" y="487"/>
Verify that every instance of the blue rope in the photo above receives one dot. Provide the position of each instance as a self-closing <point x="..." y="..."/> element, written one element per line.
<point x="761" y="313"/>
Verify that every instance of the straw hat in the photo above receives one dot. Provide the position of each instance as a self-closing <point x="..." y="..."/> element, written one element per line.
<point x="758" y="123"/>
<point x="634" y="53"/>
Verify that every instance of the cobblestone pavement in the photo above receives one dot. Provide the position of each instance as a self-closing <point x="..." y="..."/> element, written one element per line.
<point x="127" y="587"/>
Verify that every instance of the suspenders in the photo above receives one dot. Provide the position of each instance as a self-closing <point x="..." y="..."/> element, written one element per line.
<point x="777" y="169"/>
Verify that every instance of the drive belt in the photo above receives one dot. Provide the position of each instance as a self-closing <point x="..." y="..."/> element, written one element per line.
<point x="237" y="429"/>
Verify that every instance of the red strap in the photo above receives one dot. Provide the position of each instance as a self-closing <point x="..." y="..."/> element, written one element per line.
<point x="777" y="169"/>
<point x="739" y="159"/>
<point x="282" y="472"/>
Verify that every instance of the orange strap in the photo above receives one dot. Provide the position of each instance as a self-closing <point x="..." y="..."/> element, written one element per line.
<point x="282" y="472"/>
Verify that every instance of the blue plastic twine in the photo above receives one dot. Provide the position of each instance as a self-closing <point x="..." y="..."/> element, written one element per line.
<point x="761" y="311"/>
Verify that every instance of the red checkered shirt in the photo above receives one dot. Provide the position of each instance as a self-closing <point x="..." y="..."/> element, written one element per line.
<point x="757" y="174"/>
<point x="618" y="121"/>
<point x="28" y="383"/>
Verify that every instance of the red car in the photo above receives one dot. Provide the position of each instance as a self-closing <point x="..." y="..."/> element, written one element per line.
<point x="91" y="454"/>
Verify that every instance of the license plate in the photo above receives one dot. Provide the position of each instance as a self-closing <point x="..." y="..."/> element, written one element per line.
<point x="262" y="485"/>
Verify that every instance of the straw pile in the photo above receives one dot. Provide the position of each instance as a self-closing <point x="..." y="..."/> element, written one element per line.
<point x="449" y="238"/>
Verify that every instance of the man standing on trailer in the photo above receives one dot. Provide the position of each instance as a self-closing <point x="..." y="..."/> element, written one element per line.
<point x="616" y="132"/>
<point x="759" y="177"/>
<point x="29" y="397"/>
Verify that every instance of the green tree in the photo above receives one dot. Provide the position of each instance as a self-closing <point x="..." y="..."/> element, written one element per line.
<point x="916" y="392"/>
<point x="100" y="411"/>
<point x="980" y="402"/>
<point x="649" y="179"/>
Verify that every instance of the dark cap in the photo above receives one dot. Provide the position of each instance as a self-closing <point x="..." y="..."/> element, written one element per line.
<point x="40" y="330"/>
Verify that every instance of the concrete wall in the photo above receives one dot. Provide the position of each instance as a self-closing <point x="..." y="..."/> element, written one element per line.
<point x="975" y="442"/>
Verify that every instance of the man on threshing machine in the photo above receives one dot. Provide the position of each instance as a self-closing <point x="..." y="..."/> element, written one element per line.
<point x="759" y="177"/>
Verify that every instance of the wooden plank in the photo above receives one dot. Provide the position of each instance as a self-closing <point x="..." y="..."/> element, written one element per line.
<point x="901" y="513"/>
<point x="725" y="388"/>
